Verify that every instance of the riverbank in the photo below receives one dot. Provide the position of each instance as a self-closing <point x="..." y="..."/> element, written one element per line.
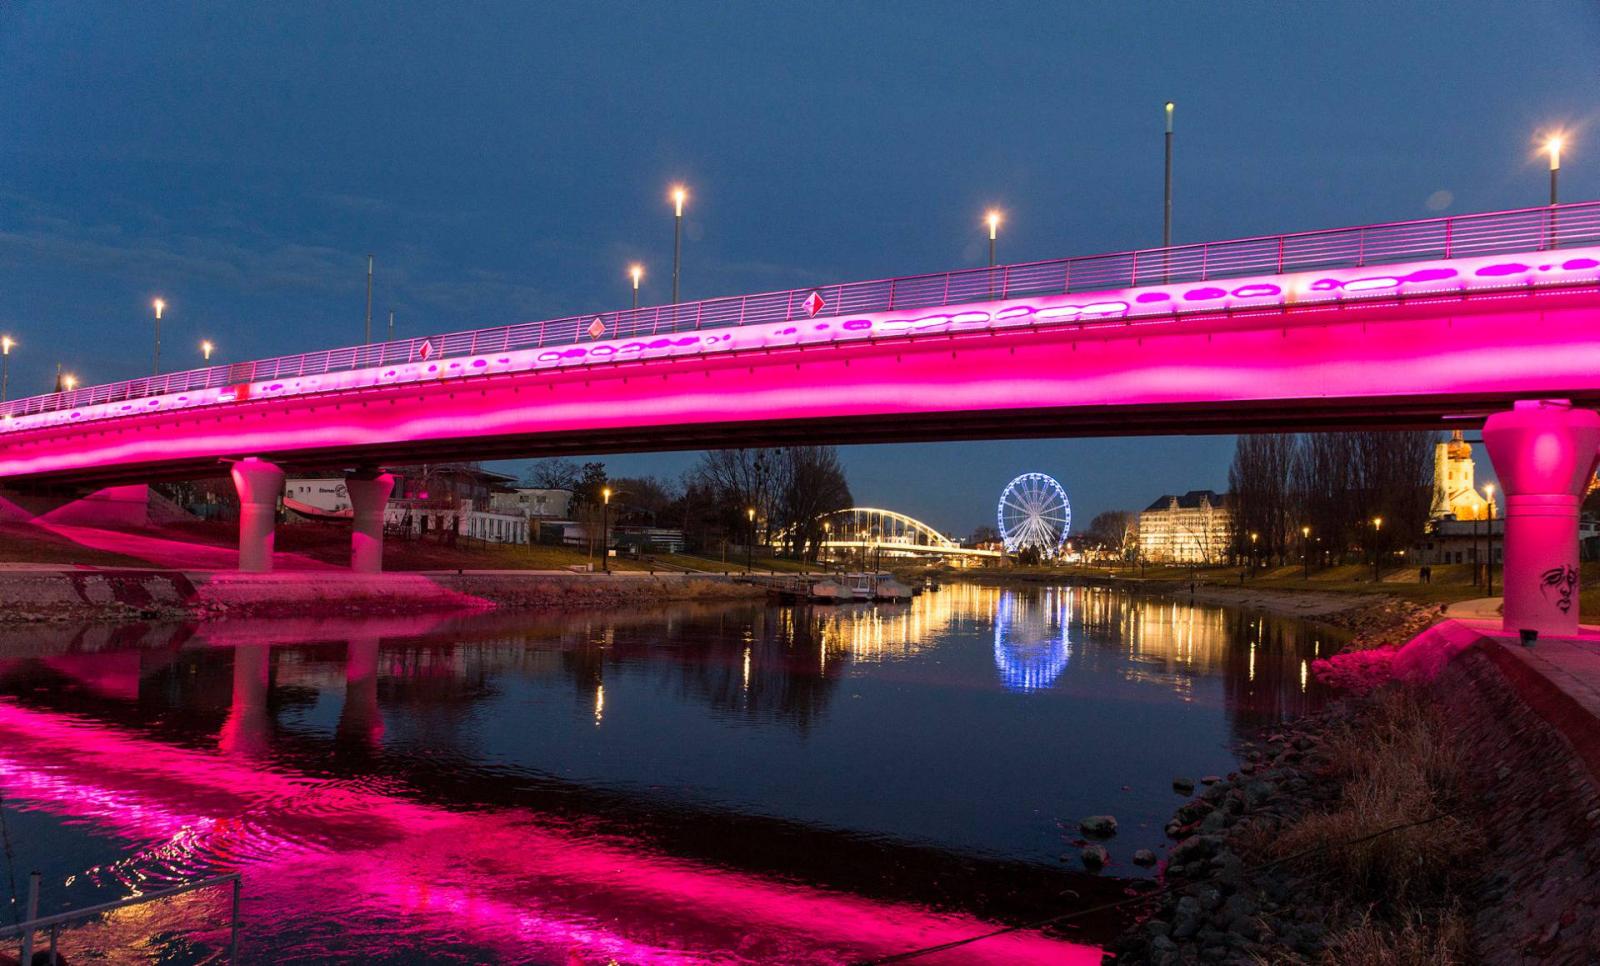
<point x="1452" y="815"/>
<point x="35" y="594"/>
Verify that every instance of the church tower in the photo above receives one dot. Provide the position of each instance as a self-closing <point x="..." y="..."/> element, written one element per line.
<point x="1455" y="491"/>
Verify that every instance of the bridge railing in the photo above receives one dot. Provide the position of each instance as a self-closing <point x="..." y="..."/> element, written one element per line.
<point x="1524" y="230"/>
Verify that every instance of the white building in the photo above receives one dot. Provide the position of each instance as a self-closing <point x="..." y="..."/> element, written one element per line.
<point x="1194" y="528"/>
<point x="533" y="502"/>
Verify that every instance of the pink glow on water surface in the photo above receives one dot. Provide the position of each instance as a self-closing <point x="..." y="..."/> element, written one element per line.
<point x="508" y="879"/>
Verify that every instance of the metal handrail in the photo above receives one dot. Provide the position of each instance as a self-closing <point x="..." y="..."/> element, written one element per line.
<point x="1486" y="233"/>
<point x="43" y="923"/>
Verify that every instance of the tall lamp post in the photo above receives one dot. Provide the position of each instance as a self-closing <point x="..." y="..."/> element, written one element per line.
<point x="992" y="219"/>
<point x="155" y="360"/>
<point x="1254" y="536"/>
<point x="1488" y="567"/>
<point x="1377" y="542"/>
<point x="1553" y="145"/>
<point x="679" y="195"/>
<point x="1305" y="550"/>
<point x="636" y="272"/>
<point x="750" y="545"/>
<point x="1166" y="205"/>
<point x="6" y="343"/>
<point x="605" y="530"/>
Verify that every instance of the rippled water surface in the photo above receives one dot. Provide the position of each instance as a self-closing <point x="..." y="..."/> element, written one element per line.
<point x="701" y="784"/>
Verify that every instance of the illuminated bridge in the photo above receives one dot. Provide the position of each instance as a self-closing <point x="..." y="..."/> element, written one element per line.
<point x="871" y="530"/>
<point x="1412" y="324"/>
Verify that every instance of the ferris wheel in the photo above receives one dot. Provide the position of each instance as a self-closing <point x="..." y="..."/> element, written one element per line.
<point x="1034" y="515"/>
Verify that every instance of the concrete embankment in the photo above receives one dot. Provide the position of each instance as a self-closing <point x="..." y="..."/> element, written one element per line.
<point x="49" y="594"/>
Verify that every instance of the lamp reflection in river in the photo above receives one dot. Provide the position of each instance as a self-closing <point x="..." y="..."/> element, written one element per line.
<point x="1031" y="643"/>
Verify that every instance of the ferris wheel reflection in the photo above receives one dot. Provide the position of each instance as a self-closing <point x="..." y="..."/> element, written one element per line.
<point x="1032" y="643"/>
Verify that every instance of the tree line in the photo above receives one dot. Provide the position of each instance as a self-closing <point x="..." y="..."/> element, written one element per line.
<point x="788" y="489"/>
<point x="1329" y="495"/>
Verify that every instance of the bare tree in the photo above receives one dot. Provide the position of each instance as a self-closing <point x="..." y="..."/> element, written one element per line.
<point x="1116" y="532"/>
<point x="811" y="484"/>
<point x="788" y="489"/>
<point x="557" y="473"/>
<point x="1260" y="483"/>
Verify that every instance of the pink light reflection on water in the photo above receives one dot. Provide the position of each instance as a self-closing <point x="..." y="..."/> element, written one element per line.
<point x="505" y="880"/>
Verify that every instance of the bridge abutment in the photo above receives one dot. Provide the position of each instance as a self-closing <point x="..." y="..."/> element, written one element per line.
<point x="1544" y="452"/>
<point x="260" y="486"/>
<point x="369" y="495"/>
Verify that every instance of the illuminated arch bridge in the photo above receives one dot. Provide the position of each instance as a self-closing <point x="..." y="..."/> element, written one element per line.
<point x="876" y="530"/>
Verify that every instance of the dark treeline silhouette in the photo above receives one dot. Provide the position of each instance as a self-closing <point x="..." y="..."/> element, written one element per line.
<point x="790" y="488"/>
<point x="1337" y="484"/>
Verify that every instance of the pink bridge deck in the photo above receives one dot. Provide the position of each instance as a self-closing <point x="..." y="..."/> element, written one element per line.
<point x="1405" y="344"/>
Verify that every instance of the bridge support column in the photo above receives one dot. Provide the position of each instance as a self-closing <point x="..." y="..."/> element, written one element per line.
<point x="260" y="484"/>
<point x="1544" y="452"/>
<point x="369" y="494"/>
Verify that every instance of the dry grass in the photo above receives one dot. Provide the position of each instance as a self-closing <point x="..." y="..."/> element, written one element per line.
<point x="1396" y="766"/>
<point x="1420" y="940"/>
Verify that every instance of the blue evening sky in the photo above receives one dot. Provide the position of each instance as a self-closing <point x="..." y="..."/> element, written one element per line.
<point x="505" y="161"/>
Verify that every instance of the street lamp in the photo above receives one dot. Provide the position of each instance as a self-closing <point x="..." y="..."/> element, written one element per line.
<point x="206" y="348"/>
<point x="1488" y="569"/>
<point x="1305" y="549"/>
<point x="1377" y="531"/>
<point x="1166" y="208"/>
<point x="1553" y="145"/>
<point x="750" y="546"/>
<point x="1254" y="536"/>
<point x="636" y="272"/>
<point x="992" y="218"/>
<point x="679" y="195"/>
<point x="155" y="362"/>
<point x="6" y="342"/>
<point x="605" y="529"/>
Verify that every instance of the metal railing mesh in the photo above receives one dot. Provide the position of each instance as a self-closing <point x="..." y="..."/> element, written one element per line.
<point x="1489" y="233"/>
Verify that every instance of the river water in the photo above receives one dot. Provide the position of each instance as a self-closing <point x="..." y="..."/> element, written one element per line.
<point x="696" y="784"/>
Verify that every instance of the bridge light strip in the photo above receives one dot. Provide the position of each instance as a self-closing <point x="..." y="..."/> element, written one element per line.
<point x="1164" y="304"/>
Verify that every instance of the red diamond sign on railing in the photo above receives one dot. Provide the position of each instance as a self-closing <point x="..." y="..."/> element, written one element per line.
<point x="813" y="304"/>
<point x="425" y="350"/>
<point x="597" y="328"/>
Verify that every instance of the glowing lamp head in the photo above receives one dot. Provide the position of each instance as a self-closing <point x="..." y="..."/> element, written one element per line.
<point x="605" y="494"/>
<point x="992" y="218"/>
<point x="1553" y="145"/>
<point x="750" y="512"/>
<point x="69" y="381"/>
<point x="1377" y="523"/>
<point x="206" y="348"/>
<point x="1169" y="117"/>
<point x="1305" y="532"/>
<point x="160" y="306"/>
<point x="6" y="342"/>
<point x="679" y="195"/>
<point x="636" y="272"/>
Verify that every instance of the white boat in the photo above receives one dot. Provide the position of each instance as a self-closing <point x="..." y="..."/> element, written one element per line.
<point x="876" y="587"/>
